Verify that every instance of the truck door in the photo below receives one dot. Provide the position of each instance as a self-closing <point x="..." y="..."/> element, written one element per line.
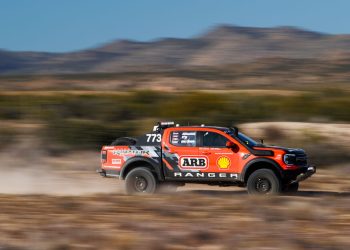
<point x="221" y="158"/>
<point x="180" y="153"/>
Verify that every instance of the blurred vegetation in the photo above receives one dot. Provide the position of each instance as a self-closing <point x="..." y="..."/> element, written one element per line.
<point x="86" y="121"/>
<point x="7" y="136"/>
<point x="320" y="150"/>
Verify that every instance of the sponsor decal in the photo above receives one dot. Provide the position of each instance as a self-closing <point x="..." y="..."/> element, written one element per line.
<point x="116" y="161"/>
<point x="204" y="175"/>
<point x="223" y="162"/>
<point x="151" y="151"/>
<point x="130" y="151"/>
<point x="175" y="138"/>
<point x="193" y="162"/>
<point x="188" y="142"/>
<point x="188" y="138"/>
<point x="183" y="138"/>
<point x="111" y="166"/>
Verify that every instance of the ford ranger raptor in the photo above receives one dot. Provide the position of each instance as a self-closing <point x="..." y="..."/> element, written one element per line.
<point x="172" y="155"/>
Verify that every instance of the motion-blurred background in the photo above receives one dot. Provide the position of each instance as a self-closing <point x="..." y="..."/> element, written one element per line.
<point x="75" y="75"/>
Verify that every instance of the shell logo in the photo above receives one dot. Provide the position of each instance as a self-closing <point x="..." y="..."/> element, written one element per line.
<point x="224" y="162"/>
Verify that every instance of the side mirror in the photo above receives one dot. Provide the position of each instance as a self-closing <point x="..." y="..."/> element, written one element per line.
<point x="230" y="144"/>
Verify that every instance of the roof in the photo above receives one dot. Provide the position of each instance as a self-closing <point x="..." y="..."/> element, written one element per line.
<point x="196" y="126"/>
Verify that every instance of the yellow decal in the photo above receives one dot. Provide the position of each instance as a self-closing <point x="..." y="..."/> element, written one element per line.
<point x="224" y="162"/>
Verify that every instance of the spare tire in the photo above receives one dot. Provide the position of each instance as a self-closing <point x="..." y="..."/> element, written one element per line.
<point x="124" y="141"/>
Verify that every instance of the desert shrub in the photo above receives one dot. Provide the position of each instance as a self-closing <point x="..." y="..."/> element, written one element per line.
<point x="323" y="155"/>
<point x="85" y="134"/>
<point x="274" y="133"/>
<point x="7" y="136"/>
<point x="87" y="120"/>
<point x="9" y="108"/>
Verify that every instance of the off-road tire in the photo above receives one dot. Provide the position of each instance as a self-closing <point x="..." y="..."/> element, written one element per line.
<point x="291" y="188"/>
<point x="124" y="141"/>
<point x="263" y="182"/>
<point x="140" y="181"/>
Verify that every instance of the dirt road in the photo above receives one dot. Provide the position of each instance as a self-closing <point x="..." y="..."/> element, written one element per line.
<point x="206" y="219"/>
<point x="61" y="209"/>
<point x="39" y="181"/>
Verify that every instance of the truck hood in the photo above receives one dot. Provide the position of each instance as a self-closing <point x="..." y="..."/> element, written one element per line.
<point x="297" y="151"/>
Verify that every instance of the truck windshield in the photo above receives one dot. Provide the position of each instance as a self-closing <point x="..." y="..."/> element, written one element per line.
<point x="247" y="140"/>
<point x="243" y="138"/>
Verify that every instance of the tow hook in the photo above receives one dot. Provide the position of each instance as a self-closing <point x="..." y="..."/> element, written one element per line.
<point x="303" y="176"/>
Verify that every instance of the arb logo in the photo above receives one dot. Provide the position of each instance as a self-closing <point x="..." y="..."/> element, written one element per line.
<point x="193" y="162"/>
<point x="224" y="162"/>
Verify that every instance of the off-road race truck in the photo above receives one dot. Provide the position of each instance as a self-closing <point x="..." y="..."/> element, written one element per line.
<point x="172" y="155"/>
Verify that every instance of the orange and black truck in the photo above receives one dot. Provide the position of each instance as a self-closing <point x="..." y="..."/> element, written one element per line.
<point x="173" y="155"/>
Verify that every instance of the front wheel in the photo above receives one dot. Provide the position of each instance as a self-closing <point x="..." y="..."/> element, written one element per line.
<point x="264" y="182"/>
<point x="140" y="181"/>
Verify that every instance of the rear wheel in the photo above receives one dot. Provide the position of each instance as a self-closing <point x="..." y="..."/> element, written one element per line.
<point x="263" y="182"/>
<point x="124" y="141"/>
<point x="140" y="181"/>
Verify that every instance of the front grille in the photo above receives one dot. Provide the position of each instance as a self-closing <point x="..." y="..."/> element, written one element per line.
<point x="301" y="160"/>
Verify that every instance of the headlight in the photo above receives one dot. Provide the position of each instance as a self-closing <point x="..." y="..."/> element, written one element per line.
<point x="289" y="159"/>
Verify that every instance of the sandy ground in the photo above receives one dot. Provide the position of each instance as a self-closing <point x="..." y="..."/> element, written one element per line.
<point x="193" y="218"/>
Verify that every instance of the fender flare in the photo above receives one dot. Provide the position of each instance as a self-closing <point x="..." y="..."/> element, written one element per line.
<point x="142" y="160"/>
<point x="249" y="164"/>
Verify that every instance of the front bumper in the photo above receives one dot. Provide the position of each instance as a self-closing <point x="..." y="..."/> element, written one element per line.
<point x="108" y="173"/>
<point x="307" y="172"/>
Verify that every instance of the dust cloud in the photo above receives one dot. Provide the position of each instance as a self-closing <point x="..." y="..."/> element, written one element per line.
<point x="25" y="168"/>
<point x="39" y="181"/>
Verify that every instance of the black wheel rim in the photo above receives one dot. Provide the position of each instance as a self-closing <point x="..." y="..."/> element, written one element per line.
<point x="140" y="184"/>
<point x="262" y="185"/>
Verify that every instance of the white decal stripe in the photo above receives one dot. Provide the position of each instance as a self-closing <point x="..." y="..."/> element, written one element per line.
<point x="151" y="151"/>
<point x="109" y="166"/>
